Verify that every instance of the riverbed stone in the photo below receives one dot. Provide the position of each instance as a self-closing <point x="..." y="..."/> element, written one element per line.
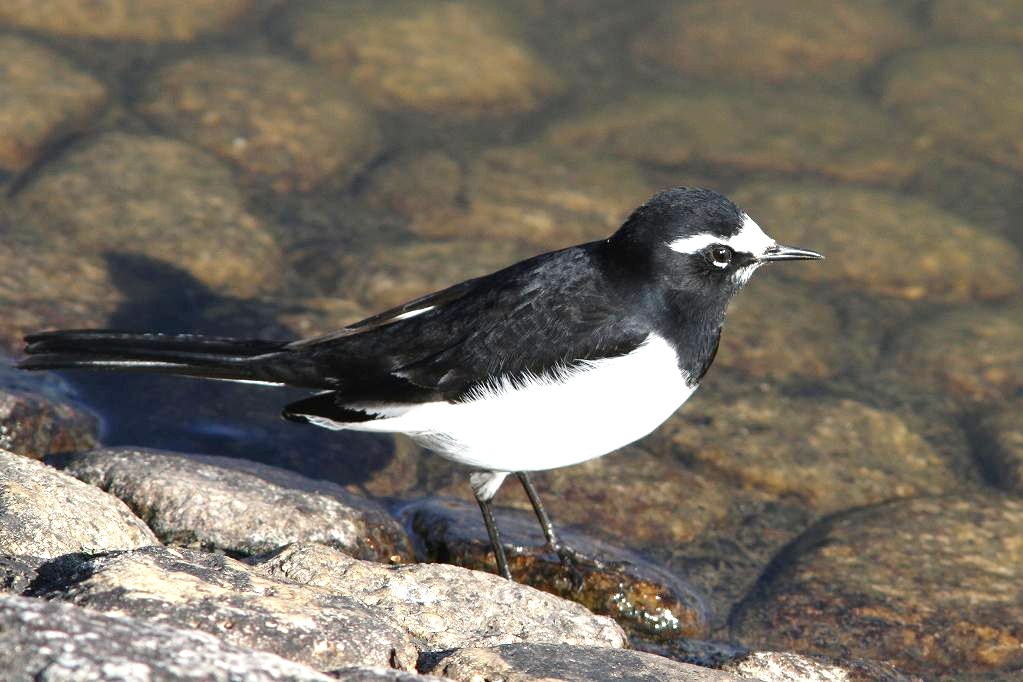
<point x="777" y="131"/>
<point x="280" y="121"/>
<point x="144" y="20"/>
<point x="885" y="243"/>
<point x="46" y="513"/>
<point x="827" y="454"/>
<point x="966" y="95"/>
<point x="45" y="98"/>
<point x="566" y="663"/>
<point x="972" y="355"/>
<point x="532" y="195"/>
<point x="774" y="41"/>
<point x="42" y="640"/>
<point x="931" y="585"/>
<point x="446" y="607"/>
<point x="34" y="425"/>
<point x="645" y="599"/>
<point x="1001" y="448"/>
<point x="149" y="195"/>
<point x="237" y="506"/>
<point x="232" y="601"/>
<point x="455" y="59"/>
<point x="978" y="19"/>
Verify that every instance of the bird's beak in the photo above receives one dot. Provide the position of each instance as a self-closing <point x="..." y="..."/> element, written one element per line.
<point x="779" y="252"/>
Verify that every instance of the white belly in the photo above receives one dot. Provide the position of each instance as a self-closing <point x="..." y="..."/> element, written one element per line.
<point x="542" y="423"/>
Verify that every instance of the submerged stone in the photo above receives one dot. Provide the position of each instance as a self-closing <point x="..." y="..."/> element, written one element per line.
<point x="455" y="59"/>
<point x="773" y="40"/>
<point x="45" y="98"/>
<point x="278" y="120"/>
<point x="776" y="131"/>
<point x="930" y="585"/>
<point x="885" y="243"/>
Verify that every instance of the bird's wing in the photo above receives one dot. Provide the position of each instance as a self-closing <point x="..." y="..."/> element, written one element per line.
<point x="547" y="312"/>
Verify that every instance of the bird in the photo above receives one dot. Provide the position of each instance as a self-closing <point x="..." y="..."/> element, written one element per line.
<point x="552" y="361"/>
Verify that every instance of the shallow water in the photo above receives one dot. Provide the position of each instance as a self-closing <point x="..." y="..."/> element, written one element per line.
<point x="281" y="169"/>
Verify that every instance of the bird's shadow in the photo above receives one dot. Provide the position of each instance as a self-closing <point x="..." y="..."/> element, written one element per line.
<point x="212" y="417"/>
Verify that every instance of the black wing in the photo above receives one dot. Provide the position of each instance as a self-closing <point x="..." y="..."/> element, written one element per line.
<point x="531" y="317"/>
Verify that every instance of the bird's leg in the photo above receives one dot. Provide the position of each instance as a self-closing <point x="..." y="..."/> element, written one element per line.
<point x="495" y="538"/>
<point x="568" y="556"/>
<point x="484" y="487"/>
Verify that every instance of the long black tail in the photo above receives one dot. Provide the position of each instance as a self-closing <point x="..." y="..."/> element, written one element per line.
<point x="184" y="354"/>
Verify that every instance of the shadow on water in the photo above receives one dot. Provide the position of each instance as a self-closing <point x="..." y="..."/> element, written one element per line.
<point x="216" y="418"/>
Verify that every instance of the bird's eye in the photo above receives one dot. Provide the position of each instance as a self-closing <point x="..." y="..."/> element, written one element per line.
<point x="719" y="255"/>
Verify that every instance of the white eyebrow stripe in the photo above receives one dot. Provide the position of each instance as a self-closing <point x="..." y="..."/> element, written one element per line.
<point x="749" y="239"/>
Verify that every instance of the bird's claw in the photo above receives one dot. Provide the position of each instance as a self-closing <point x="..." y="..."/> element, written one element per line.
<point x="570" y="560"/>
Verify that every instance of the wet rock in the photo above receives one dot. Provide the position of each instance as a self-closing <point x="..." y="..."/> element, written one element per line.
<point x="962" y="94"/>
<point x="886" y="244"/>
<point x="46" y="513"/>
<point x="33" y="425"/>
<point x="236" y="506"/>
<point x="643" y="598"/>
<point x="42" y="640"/>
<point x="785" y="666"/>
<point x="457" y="59"/>
<point x="978" y="19"/>
<point x="446" y="607"/>
<point x="774" y="41"/>
<point x="777" y="131"/>
<point x="148" y="195"/>
<point x="564" y="663"/>
<point x="972" y="355"/>
<point x="278" y="120"/>
<point x="827" y="454"/>
<point x="46" y="97"/>
<point x="778" y="330"/>
<point x="394" y="273"/>
<point x="1001" y="447"/>
<point x="228" y="599"/>
<point x="148" y="20"/>
<point x="930" y="585"/>
<point x="527" y="194"/>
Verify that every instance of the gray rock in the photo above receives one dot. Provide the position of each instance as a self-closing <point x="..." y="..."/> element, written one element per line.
<point x="378" y="675"/>
<point x="226" y="598"/>
<point x="645" y="599"/>
<point x="565" y="663"/>
<point x="33" y="425"/>
<point x="785" y="666"/>
<point x="236" y="506"/>
<point x="46" y="641"/>
<point x="46" y="513"/>
<point x="17" y="572"/>
<point x="447" y="607"/>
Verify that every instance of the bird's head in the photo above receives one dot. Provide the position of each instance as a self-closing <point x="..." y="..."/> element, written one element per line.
<point x="698" y="240"/>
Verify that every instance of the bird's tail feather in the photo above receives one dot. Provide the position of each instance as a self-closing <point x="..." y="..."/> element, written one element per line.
<point x="185" y="354"/>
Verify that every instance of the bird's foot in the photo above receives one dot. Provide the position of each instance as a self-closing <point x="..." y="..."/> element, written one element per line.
<point x="570" y="561"/>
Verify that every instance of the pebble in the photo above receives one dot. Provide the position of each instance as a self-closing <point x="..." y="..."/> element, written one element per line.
<point x="45" y="98"/>
<point x="280" y="121"/>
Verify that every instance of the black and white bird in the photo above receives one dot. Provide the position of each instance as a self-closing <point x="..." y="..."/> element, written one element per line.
<point x="552" y="361"/>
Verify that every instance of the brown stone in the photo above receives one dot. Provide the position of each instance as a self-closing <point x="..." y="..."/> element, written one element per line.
<point x="45" y="97"/>
<point x="930" y="585"/>
<point x="978" y="19"/>
<point x="1001" y="449"/>
<point x="146" y="20"/>
<point x="529" y="195"/>
<point x="455" y="59"/>
<point x="278" y="120"/>
<point x="34" y="425"/>
<point x="774" y="40"/>
<point x="776" y="131"/>
<point x="885" y="243"/>
<point x="969" y="96"/>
